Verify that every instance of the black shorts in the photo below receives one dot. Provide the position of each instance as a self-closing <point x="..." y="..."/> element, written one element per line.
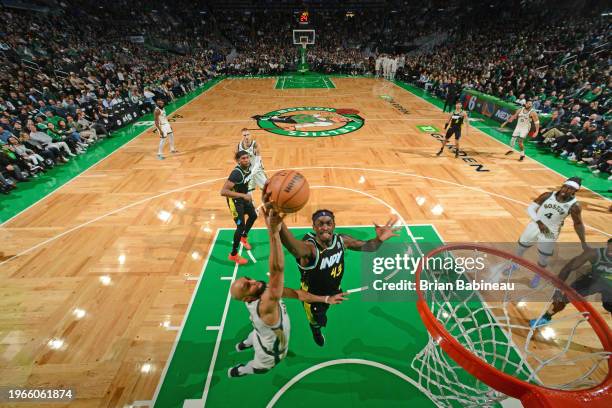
<point x="239" y="208"/>
<point x="316" y="313"/>
<point x="453" y="130"/>
<point x="589" y="285"/>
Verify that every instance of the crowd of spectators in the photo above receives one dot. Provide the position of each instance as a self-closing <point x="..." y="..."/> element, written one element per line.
<point x="67" y="84"/>
<point x="564" y="70"/>
<point x="73" y="76"/>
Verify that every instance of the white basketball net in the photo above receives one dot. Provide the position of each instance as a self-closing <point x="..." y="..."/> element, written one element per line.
<point x="495" y="327"/>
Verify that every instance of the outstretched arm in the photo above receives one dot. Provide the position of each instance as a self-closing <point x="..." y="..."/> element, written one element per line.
<point x="268" y="307"/>
<point x="304" y="296"/>
<point x="511" y="118"/>
<point x="589" y="255"/>
<point x="559" y="300"/>
<point x="299" y="249"/>
<point x="383" y="233"/>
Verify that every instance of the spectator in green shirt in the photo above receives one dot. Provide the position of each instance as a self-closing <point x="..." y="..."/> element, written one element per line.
<point x="510" y="97"/>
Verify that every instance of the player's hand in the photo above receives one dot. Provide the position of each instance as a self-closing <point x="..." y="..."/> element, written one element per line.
<point x="265" y="195"/>
<point x="543" y="228"/>
<point x="247" y="197"/>
<point x="387" y="231"/>
<point x="274" y="219"/>
<point x="558" y="297"/>
<point x="337" y="299"/>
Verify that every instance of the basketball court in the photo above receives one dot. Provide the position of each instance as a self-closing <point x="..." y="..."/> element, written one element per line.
<point x="116" y="285"/>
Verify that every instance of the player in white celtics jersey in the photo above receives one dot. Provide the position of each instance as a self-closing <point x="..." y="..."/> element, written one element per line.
<point x="597" y="280"/>
<point x="163" y="128"/>
<point x="258" y="175"/>
<point x="526" y="115"/>
<point x="271" y="327"/>
<point x="547" y="213"/>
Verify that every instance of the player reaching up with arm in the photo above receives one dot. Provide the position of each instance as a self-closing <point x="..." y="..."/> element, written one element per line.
<point x="320" y="258"/>
<point x="271" y="326"/>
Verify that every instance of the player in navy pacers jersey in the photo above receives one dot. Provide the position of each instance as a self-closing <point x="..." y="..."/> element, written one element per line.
<point x="453" y="126"/>
<point x="320" y="258"/>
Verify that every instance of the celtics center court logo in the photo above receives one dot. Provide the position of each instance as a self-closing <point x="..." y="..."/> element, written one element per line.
<point x="311" y="121"/>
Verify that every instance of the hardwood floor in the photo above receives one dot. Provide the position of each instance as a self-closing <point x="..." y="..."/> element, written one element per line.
<point x="101" y="264"/>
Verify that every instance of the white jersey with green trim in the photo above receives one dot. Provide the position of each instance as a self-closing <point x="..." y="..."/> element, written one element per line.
<point x="274" y="339"/>
<point x="524" y="119"/>
<point x="553" y="213"/>
<point x="163" y="119"/>
<point x="251" y="150"/>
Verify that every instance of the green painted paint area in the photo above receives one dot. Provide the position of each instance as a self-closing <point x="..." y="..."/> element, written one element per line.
<point x="598" y="184"/>
<point x="427" y="128"/>
<point x="387" y="333"/>
<point x="32" y="191"/>
<point x="306" y="81"/>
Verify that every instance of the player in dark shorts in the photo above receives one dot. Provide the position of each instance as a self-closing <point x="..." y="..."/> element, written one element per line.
<point x="240" y="203"/>
<point x="320" y="258"/>
<point x="453" y="126"/>
<point x="598" y="280"/>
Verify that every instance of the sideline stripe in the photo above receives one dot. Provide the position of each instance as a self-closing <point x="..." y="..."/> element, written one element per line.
<point x="180" y="332"/>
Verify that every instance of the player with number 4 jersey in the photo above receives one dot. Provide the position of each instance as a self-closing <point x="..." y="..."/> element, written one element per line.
<point x="548" y="213"/>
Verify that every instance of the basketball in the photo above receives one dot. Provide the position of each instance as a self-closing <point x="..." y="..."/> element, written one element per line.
<point x="289" y="191"/>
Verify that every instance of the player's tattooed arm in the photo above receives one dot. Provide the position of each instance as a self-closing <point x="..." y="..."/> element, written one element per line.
<point x="576" y="213"/>
<point x="383" y="233"/>
<point x="302" y="250"/>
<point x="355" y="244"/>
<point x="589" y="254"/>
